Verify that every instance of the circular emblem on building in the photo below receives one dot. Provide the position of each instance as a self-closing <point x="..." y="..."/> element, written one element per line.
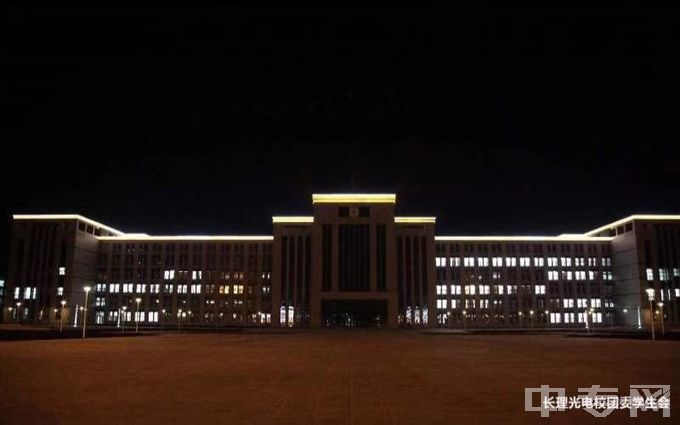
<point x="354" y="212"/>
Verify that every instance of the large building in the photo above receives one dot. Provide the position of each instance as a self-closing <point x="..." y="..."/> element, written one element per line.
<point x="353" y="262"/>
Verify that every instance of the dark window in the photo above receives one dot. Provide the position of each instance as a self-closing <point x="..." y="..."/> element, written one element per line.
<point x="354" y="257"/>
<point x="381" y="261"/>
<point x="327" y="251"/>
<point x="364" y="212"/>
<point x="343" y="211"/>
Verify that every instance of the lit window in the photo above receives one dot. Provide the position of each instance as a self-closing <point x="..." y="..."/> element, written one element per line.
<point x="568" y="303"/>
<point x="650" y="274"/>
<point x="540" y="289"/>
<point x="62" y="271"/>
<point x="482" y="262"/>
<point x="60" y="291"/>
<point x="441" y="289"/>
<point x="663" y="274"/>
<point x="141" y="288"/>
<point x="469" y="289"/>
<point x="224" y="289"/>
<point x="169" y="274"/>
<point x="196" y="289"/>
<point x="591" y="275"/>
<point x="498" y="289"/>
<point x="442" y="303"/>
<point x="27" y="293"/>
<point x="555" y="318"/>
<point x="17" y="292"/>
<point x="469" y="261"/>
<point x="580" y="275"/>
<point x="565" y="261"/>
<point x="454" y="261"/>
<point x="510" y="262"/>
<point x="538" y="261"/>
<point x="455" y="290"/>
<point x="553" y="275"/>
<point x="552" y="261"/>
<point x="484" y="289"/>
<point x="525" y="262"/>
<point x="497" y="261"/>
<point x="606" y="262"/>
<point x="197" y="275"/>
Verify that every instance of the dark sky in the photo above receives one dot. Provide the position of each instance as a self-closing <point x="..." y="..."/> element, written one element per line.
<point x="212" y="119"/>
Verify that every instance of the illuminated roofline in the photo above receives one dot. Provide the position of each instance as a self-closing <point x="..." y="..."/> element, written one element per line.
<point x="635" y="217"/>
<point x="292" y="219"/>
<point x="346" y="198"/>
<point x="66" y="217"/>
<point x="422" y="220"/>
<point x="560" y="238"/>
<point x="145" y="237"/>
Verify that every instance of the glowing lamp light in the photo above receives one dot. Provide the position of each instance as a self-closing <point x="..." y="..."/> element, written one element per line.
<point x="650" y="294"/>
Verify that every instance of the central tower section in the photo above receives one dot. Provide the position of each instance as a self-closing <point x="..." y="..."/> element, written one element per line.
<point x="353" y="266"/>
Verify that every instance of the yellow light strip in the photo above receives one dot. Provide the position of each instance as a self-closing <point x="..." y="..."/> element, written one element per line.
<point x="142" y="237"/>
<point x="346" y="198"/>
<point x="292" y="219"/>
<point x="560" y="238"/>
<point x="635" y="217"/>
<point x="66" y="217"/>
<point x="420" y="220"/>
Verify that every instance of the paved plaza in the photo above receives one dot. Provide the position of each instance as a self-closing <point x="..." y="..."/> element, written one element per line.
<point x="320" y="377"/>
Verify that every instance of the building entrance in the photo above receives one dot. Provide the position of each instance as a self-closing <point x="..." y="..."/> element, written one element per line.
<point x="353" y="313"/>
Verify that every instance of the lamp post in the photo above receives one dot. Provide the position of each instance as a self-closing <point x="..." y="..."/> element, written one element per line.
<point x="547" y="317"/>
<point x="464" y="319"/>
<point x="163" y="319"/>
<point x="61" y="317"/>
<point x="137" y="300"/>
<point x="650" y="295"/>
<point x="87" y="292"/>
<point x="179" y="320"/>
<point x="531" y="314"/>
<point x="18" y="311"/>
<point x="521" y="319"/>
<point x="663" y="331"/>
<point x="124" y="317"/>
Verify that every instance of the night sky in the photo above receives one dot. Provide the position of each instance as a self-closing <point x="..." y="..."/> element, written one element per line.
<point x="211" y="120"/>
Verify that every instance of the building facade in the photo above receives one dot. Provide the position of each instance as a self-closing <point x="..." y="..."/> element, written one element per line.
<point x="352" y="263"/>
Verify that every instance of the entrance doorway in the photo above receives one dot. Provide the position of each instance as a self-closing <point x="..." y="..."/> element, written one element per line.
<point x="353" y="313"/>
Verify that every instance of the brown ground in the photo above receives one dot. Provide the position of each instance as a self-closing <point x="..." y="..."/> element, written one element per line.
<point x="331" y="377"/>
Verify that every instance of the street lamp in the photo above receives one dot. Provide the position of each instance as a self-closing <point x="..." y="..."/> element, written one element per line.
<point x="61" y="317"/>
<point x="663" y="331"/>
<point x="547" y="315"/>
<point x="531" y="313"/>
<point x="521" y="319"/>
<point x="137" y="300"/>
<point x="179" y="320"/>
<point x="163" y="319"/>
<point x="18" y="311"/>
<point x="650" y="295"/>
<point x="124" y="318"/>
<point x="87" y="292"/>
<point x="464" y="319"/>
